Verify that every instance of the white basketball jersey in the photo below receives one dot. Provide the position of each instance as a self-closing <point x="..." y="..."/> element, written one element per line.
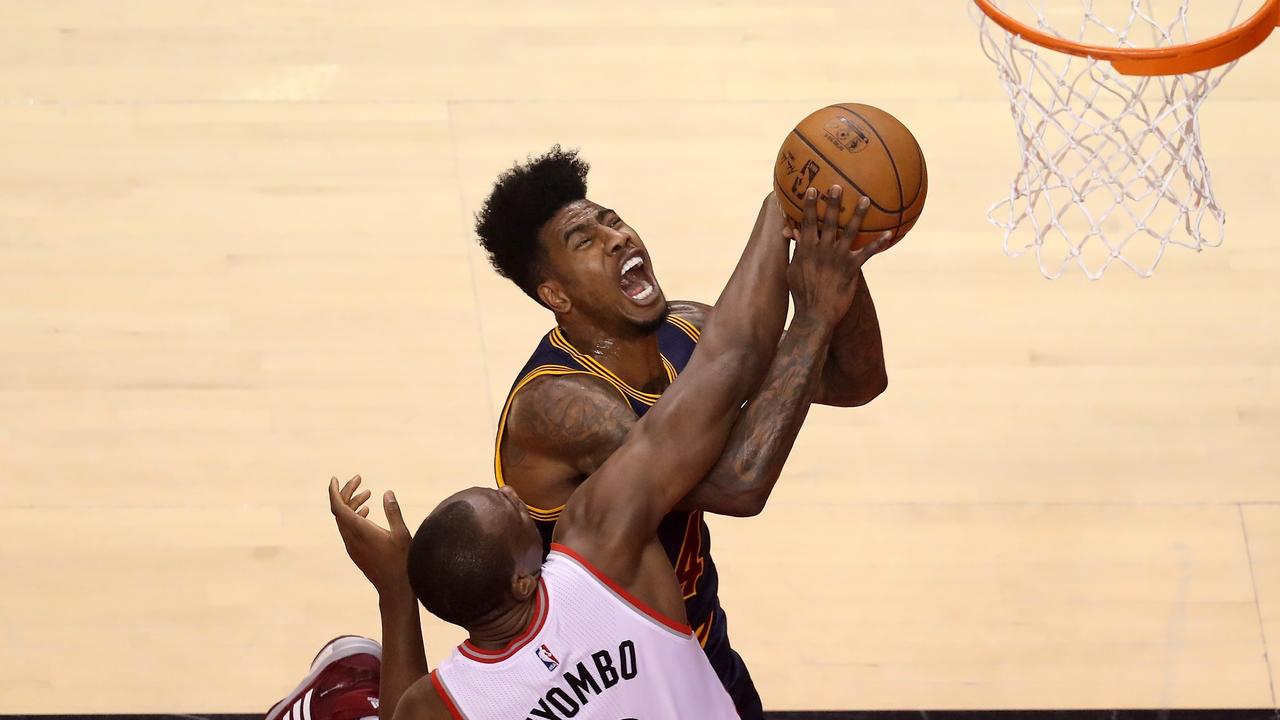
<point x="592" y="652"/>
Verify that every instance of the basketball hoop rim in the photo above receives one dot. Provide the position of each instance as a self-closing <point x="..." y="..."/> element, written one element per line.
<point x="1172" y="60"/>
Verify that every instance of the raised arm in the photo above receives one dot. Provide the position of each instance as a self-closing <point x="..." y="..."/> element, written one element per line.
<point x="382" y="556"/>
<point x="854" y="373"/>
<point x="678" y="441"/>
<point x="560" y="429"/>
<point x="743" y="478"/>
<point x="617" y="510"/>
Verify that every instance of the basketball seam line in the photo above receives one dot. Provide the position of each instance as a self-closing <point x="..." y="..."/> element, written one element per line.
<point x="877" y="205"/>
<point x="837" y="170"/>
<point x="897" y="176"/>
<point x="919" y="154"/>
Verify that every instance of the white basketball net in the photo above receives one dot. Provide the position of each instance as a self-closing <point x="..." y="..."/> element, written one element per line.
<point x="1112" y="168"/>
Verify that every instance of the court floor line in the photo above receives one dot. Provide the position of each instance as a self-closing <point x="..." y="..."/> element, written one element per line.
<point x="1257" y="604"/>
<point x="471" y="266"/>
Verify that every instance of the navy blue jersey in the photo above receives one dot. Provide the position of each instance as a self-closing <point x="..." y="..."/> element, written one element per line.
<point x="684" y="535"/>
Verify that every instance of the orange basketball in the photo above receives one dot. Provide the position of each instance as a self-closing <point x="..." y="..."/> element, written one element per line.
<point x="865" y="151"/>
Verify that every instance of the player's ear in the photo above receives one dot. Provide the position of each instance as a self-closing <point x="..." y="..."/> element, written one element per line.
<point x="523" y="585"/>
<point x="553" y="296"/>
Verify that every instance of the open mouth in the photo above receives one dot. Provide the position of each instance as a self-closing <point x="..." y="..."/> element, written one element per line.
<point x="636" y="282"/>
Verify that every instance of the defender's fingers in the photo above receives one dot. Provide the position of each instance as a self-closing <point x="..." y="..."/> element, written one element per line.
<point x="831" y="221"/>
<point x="359" y="500"/>
<point x="337" y="504"/>
<point x="363" y="512"/>
<point x="810" y="224"/>
<point x="859" y="214"/>
<point x="350" y="488"/>
<point x="334" y="498"/>
<point x="392" y="507"/>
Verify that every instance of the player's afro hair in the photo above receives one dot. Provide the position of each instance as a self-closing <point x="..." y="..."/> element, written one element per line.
<point x="459" y="573"/>
<point x="523" y="199"/>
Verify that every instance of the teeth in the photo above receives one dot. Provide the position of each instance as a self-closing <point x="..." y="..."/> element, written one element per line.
<point x="632" y="264"/>
<point x="644" y="294"/>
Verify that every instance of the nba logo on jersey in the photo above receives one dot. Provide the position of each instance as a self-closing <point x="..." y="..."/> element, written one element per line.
<point x="544" y="654"/>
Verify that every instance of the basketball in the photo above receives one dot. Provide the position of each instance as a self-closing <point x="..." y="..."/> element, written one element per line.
<point x="864" y="150"/>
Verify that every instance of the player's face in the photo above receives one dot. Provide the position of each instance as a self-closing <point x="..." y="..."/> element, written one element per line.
<point x="601" y="265"/>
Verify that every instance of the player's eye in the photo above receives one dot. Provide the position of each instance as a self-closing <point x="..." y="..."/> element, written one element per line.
<point x="615" y="222"/>
<point x="583" y="242"/>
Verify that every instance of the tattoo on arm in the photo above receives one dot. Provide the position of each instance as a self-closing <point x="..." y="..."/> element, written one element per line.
<point x="854" y="373"/>
<point x="577" y="419"/>
<point x="765" y="432"/>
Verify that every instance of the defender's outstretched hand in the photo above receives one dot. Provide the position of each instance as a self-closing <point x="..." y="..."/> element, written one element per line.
<point x="825" y="270"/>
<point x="382" y="555"/>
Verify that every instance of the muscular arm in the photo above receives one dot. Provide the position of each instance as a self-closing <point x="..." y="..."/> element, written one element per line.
<point x="576" y="422"/>
<point x="381" y="554"/>
<point x="403" y="660"/>
<point x="844" y="368"/>
<point x="581" y="421"/>
<point x="742" y="479"/>
<point x="612" y="518"/>
<point x="420" y="702"/>
<point x="810" y="367"/>
<point x="854" y="373"/>
<point x="561" y="429"/>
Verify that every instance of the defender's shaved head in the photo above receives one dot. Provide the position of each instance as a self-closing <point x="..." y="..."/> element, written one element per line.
<point x="467" y="553"/>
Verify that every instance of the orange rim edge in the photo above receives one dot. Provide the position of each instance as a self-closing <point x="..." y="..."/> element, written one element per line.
<point x="1173" y="60"/>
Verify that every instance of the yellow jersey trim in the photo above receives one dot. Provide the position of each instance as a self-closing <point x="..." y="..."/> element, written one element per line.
<point x="703" y="631"/>
<point x="671" y="369"/>
<point x="547" y="514"/>
<point x="686" y="327"/>
<point x="597" y="368"/>
<point x="594" y="368"/>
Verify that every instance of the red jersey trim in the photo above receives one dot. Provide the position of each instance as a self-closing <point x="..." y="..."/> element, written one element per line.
<point x="445" y="696"/>
<point x="632" y="600"/>
<point x="471" y="652"/>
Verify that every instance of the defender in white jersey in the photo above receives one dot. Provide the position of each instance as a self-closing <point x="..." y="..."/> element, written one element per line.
<point x="592" y="644"/>
<point x="599" y="631"/>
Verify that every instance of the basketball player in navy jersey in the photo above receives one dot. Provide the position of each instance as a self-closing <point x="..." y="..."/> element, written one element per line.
<point x="617" y="345"/>
<point x="569" y="408"/>
<point x="477" y="559"/>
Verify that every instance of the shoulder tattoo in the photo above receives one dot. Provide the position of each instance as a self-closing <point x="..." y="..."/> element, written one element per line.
<point x="578" y="419"/>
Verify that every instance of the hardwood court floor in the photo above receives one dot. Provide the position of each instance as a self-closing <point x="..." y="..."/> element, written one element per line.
<point x="236" y="258"/>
